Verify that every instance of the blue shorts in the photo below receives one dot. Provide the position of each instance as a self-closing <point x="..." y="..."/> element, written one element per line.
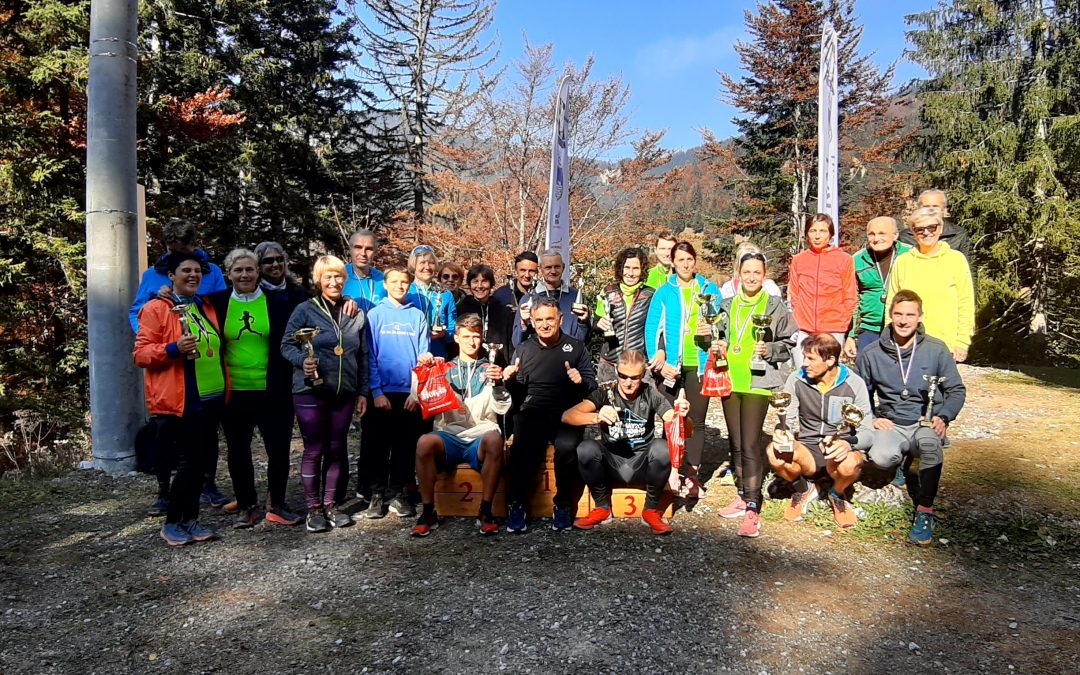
<point x="458" y="451"/>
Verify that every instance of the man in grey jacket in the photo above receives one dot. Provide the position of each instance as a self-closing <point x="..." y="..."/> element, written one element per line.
<point x="904" y="371"/>
<point x="821" y="444"/>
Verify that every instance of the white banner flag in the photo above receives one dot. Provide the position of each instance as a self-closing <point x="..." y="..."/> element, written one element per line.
<point x="558" y="224"/>
<point x="828" y="183"/>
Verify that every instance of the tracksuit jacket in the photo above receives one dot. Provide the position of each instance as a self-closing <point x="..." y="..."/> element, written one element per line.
<point x="813" y="415"/>
<point x="367" y="292"/>
<point x="483" y="401"/>
<point x="665" y="321"/>
<point x="943" y="281"/>
<point x="870" y="313"/>
<point x="341" y="374"/>
<point x="822" y="290"/>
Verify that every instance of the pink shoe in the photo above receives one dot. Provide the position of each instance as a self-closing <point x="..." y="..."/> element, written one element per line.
<point x="735" y="509"/>
<point x="751" y="525"/>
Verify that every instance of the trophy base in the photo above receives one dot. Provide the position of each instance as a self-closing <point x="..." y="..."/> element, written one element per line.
<point x="757" y="366"/>
<point x="313" y="382"/>
<point x="926" y="423"/>
<point x="193" y="355"/>
<point x="609" y="334"/>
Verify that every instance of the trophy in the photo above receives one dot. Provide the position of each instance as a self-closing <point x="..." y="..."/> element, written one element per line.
<point x="761" y="324"/>
<point x="781" y="400"/>
<point x="606" y="304"/>
<point x="436" y="323"/>
<point x="933" y="381"/>
<point x="304" y="336"/>
<point x="709" y="315"/>
<point x="182" y="311"/>
<point x="511" y="283"/>
<point x="850" y="419"/>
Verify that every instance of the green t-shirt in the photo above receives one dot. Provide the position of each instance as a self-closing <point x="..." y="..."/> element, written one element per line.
<point x="247" y="338"/>
<point x="208" y="374"/>
<point x="658" y="276"/>
<point x="739" y="362"/>
<point x="690" y="348"/>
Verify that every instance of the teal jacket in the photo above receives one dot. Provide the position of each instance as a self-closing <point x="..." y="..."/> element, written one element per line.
<point x="870" y="312"/>
<point x="663" y="324"/>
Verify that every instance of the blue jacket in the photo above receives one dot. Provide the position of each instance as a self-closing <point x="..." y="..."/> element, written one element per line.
<point x="345" y="373"/>
<point x="665" y="319"/>
<point x="425" y="300"/>
<point x="366" y="292"/>
<point x="398" y="334"/>
<point x="158" y="275"/>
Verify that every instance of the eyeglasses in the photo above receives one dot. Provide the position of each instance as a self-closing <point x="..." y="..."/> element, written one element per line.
<point x="752" y="256"/>
<point x="925" y="229"/>
<point x="624" y="376"/>
<point x="271" y="259"/>
<point x="423" y="248"/>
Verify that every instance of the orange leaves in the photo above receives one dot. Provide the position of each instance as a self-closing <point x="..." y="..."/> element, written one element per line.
<point x="203" y="116"/>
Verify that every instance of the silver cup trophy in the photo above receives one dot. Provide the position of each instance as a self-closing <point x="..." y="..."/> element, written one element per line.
<point x="182" y="311"/>
<point x="436" y="323"/>
<point x="304" y="336"/>
<point x="781" y="400"/>
<point x="933" y="381"/>
<point x="761" y="325"/>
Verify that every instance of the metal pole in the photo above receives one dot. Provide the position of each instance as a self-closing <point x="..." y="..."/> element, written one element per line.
<point x="111" y="231"/>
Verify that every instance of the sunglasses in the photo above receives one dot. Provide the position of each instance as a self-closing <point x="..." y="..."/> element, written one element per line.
<point x="624" y="376"/>
<point x="423" y="248"/>
<point x="752" y="256"/>
<point x="451" y="277"/>
<point x="271" y="259"/>
<point x="926" y="229"/>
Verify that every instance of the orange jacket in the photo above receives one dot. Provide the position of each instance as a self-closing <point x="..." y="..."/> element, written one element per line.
<point x="164" y="382"/>
<point x="822" y="290"/>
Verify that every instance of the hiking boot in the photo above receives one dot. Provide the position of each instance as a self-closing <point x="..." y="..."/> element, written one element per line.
<point x="159" y="508"/>
<point x="515" y="522"/>
<point x="598" y="516"/>
<point x="899" y="480"/>
<point x="736" y="509"/>
<point x="486" y="523"/>
<point x="316" y="521"/>
<point x="425" y="525"/>
<point x="246" y="518"/>
<point x="198" y="532"/>
<point x="211" y="496"/>
<point x="922" y="532"/>
<point x="402" y="507"/>
<point x="377" y="508"/>
<point x="751" y="525"/>
<point x="562" y="519"/>
<point x="175" y="535"/>
<point x="799" y="503"/>
<point x="336" y="517"/>
<point x="282" y="516"/>
<point x="655" y="521"/>
<point x="843" y="514"/>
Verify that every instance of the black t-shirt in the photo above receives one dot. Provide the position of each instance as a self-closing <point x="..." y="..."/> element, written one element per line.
<point x="636" y="418"/>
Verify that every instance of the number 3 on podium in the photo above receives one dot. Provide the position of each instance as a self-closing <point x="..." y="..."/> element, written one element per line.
<point x="631" y="505"/>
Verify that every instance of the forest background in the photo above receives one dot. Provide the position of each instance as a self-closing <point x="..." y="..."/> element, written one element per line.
<point x="302" y="120"/>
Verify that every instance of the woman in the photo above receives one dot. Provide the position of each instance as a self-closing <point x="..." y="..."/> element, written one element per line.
<point x="452" y="276"/>
<point x="675" y="315"/>
<point x="495" y="317"/>
<point x="187" y="393"/>
<point x="327" y="388"/>
<point x="752" y="387"/>
<point x="621" y="311"/>
<point x="731" y="286"/>
<point x="253" y="322"/>
<point x="821" y="286"/>
<point x="942" y="278"/>
<point x="432" y="302"/>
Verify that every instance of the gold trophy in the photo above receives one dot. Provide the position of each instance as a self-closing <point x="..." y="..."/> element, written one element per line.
<point x="182" y="311"/>
<point x="786" y="450"/>
<point x="304" y="336"/>
<point x="436" y="323"/>
<point x="761" y="324"/>
<point x="850" y="419"/>
<point x="933" y="381"/>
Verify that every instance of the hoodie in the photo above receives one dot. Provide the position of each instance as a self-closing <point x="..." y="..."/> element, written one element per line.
<point x="158" y="276"/>
<point x="822" y="290"/>
<point x="943" y="281"/>
<point x="398" y="335"/>
<point x="813" y="415"/>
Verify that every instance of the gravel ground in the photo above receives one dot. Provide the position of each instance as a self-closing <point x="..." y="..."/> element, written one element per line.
<point x="87" y="587"/>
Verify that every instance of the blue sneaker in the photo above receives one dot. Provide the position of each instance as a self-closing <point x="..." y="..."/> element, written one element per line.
<point x="197" y="532"/>
<point x="515" y="522"/>
<point x="900" y="480"/>
<point x="211" y="496"/>
<point x="922" y="532"/>
<point x="160" y="507"/>
<point x="174" y="534"/>
<point x="563" y="520"/>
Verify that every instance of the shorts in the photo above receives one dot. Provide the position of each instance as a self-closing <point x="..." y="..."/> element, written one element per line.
<point x="458" y="451"/>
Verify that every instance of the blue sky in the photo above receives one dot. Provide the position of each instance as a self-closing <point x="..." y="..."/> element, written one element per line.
<point x="670" y="52"/>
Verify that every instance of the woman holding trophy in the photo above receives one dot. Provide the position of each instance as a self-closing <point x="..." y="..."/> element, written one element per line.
<point x="436" y="303"/>
<point x="179" y="345"/>
<point x="621" y="311"/>
<point x="756" y="330"/>
<point x="329" y="353"/>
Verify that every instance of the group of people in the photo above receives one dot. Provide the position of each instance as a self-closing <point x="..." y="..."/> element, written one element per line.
<point x="517" y="358"/>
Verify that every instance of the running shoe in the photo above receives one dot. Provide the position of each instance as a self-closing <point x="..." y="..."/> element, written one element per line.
<point x="562" y="519"/>
<point x="246" y="518"/>
<point x="402" y="507"/>
<point x="488" y="526"/>
<point x="211" y="496"/>
<point x="159" y="508"/>
<point x="736" y="509"/>
<point x="282" y="516"/>
<point x="425" y="525"/>
<point x="175" y="535"/>
<point x="316" y="521"/>
<point x="336" y="517"/>
<point x="515" y="522"/>
<point x="598" y="516"/>
<point x="843" y="514"/>
<point x="799" y="504"/>
<point x="899" y="480"/>
<point x="655" y="521"/>
<point x="198" y="532"/>
<point x="922" y="532"/>
<point x="377" y="508"/>
<point x="362" y="502"/>
<point x="231" y="507"/>
<point x="751" y="525"/>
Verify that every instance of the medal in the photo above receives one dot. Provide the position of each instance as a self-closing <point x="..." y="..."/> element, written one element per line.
<point x="883" y="296"/>
<point x="339" y="350"/>
<point x="735" y="349"/>
<point x="209" y="351"/>
<point x="905" y="394"/>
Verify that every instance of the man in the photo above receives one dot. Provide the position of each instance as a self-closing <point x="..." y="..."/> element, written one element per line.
<point x="662" y="271"/>
<point x="511" y="296"/>
<point x="179" y="236"/>
<point x="550" y="370"/>
<point x="469" y="434"/>
<point x="873" y="265"/>
<point x="627" y="451"/>
<point x="956" y="236"/>
<point x="364" y="283"/>
<point x="574" y="311"/>
<point x="896" y="369"/>
<point x="819" y="391"/>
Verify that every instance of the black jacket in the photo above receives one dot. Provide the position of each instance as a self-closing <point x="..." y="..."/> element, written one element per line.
<point x="498" y="317"/>
<point x="952" y="234"/>
<point x="542" y="374"/>
<point x="629" y="330"/>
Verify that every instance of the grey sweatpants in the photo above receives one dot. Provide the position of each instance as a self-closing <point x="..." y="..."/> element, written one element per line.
<point x="892" y="445"/>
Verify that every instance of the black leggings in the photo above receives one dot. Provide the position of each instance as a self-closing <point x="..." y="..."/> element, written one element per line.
<point x="745" y="415"/>
<point x="272" y="413"/>
<point x="533" y="430"/>
<point x="194" y="440"/>
<point x="388" y="447"/>
<point x="699" y="407"/>
<point x="601" y="466"/>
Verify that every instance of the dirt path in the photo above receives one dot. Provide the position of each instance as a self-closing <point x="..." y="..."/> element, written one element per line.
<point x="86" y="586"/>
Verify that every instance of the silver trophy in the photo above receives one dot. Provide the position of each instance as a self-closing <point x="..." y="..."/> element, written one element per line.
<point x="781" y="400"/>
<point x="436" y="323"/>
<point x="492" y="349"/>
<point x="761" y="324"/>
<point x="606" y="304"/>
<point x="933" y="381"/>
<point x="182" y="311"/>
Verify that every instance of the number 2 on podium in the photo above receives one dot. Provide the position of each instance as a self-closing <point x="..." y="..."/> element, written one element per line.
<point x="467" y="496"/>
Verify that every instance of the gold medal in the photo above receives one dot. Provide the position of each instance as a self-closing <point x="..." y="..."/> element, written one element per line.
<point x="209" y="351"/>
<point x="339" y="350"/>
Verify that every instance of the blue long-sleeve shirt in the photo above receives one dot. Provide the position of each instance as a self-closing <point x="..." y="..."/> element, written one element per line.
<point x="398" y="335"/>
<point x="158" y="275"/>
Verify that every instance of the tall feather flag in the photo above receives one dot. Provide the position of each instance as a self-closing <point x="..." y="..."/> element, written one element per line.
<point x="828" y="195"/>
<point x="558" y="224"/>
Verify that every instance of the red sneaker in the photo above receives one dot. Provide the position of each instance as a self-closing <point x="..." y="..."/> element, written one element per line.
<point x="488" y="526"/>
<point x="655" y="521"/>
<point x="597" y="516"/>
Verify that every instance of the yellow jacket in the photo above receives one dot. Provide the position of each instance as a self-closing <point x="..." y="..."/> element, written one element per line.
<point x="943" y="281"/>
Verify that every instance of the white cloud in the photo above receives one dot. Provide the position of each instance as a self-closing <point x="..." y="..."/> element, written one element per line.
<point x="670" y="55"/>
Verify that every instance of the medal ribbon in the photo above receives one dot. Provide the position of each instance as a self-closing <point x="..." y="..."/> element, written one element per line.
<point x="337" y="327"/>
<point x="741" y="331"/>
<point x="685" y="312"/>
<point x="911" y="361"/>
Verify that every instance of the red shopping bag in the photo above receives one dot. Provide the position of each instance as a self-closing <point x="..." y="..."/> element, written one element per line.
<point x="433" y="390"/>
<point x="676" y="439"/>
<point x="717" y="380"/>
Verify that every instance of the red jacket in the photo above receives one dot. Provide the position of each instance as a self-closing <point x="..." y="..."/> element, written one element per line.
<point x="164" y="382"/>
<point x="822" y="290"/>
